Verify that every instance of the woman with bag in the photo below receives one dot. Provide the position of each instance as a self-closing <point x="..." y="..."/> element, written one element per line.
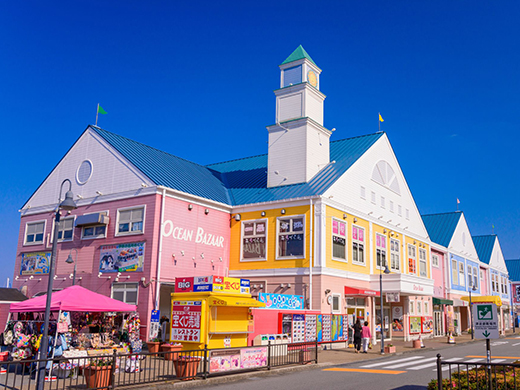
<point x="357" y="335"/>
<point x="365" y="335"/>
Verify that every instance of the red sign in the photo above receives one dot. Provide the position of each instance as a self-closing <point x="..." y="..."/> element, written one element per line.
<point x="186" y="317"/>
<point x="184" y="285"/>
<point x="351" y="291"/>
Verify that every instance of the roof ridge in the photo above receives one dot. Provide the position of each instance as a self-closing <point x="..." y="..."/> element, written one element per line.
<point x="265" y="154"/>
<point x="484" y="235"/>
<point x="445" y="213"/>
<point x="148" y="146"/>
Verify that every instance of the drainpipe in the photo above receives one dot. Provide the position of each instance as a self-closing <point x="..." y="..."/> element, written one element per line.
<point x="311" y="254"/>
<point x="159" y="255"/>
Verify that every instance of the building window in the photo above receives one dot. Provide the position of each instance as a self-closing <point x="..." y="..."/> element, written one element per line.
<point x="96" y="231"/>
<point x="383" y="202"/>
<point x="435" y="260"/>
<point x="373" y="197"/>
<point x="454" y="272"/>
<point x="336" y="299"/>
<point x="426" y="308"/>
<point x="395" y="260"/>
<point x="339" y="240"/>
<point x="362" y="192"/>
<point x="34" y="232"/>
<point x="399" y="210"/>
<point x="412" y="260"/>
<point x="66" y="229"/>
<point x="422" y="263"/>
<point x="125" y="292"/>
<point x="475" y="277"/>
<point x="130" y="221"/>
<point x="380" y="251"/>
<point x="481" y="276"/>
<point x="291" y="238"/>
<point x="358" y="245"/>
<point x="419" y="304"/>
<point x="493" y="282"/>
<point x="407" y="214"/>
<point x="254" y="240"/>
<point x="391" y="206"/>
<point x="461" y="273"/>
<point x="412" y="307"/>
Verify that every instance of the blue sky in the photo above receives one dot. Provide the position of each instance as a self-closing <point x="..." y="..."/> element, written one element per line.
<point x="196" y="79"/>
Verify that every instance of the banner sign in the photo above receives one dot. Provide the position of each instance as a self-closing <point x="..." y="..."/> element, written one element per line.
<point x="393" y="297"/>
<point x="237" y="359"/>
<point x="427" y="324"/>
<point x="36" y="263"/>
<point x="415" y="324"/>
<point x="186" y="317"/>
<point x="485" y="321"/>
<point x="154" y="324"/>
<point x="281" y="301"/>
<point x="122" y="258"/>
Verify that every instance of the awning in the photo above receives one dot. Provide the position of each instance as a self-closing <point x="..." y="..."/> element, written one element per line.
<point x="235" y="301"/>
<point x="360" y="292"/>
<point x="92" y="219"/>
<point x="484" y="299"/>
<point x="442" y="301"/>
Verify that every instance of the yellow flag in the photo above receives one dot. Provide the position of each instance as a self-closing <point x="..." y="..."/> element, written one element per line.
<point x="381" y="118"/>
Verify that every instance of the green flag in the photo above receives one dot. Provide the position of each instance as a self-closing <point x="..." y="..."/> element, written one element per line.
<point x="100" y="110"/>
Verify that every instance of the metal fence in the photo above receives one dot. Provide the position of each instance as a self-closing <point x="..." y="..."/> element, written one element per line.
<point x="119" y="370"/>
<point x="466" y="376"/>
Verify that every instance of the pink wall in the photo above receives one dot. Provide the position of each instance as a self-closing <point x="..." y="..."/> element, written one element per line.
<point x="484" y="283"/>
<point x="439" y="276"/>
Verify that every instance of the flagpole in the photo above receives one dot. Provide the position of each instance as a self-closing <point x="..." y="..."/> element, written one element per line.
<point x="379" y="121"/>
<point x="97" y="113"/>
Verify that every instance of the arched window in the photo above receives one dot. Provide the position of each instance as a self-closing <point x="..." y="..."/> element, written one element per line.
<point x="385" y="175"/>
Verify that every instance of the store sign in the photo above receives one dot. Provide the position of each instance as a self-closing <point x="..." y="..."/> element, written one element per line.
<point x="154" y="324"/>
<point x="485" y="321"/>
<point x="198" y="236"/>
<point x="186" y="317"/>
<point x="281" y="301"/>
<point x="516" y="296"/>
<point x="36" y="263"/>
<point x="392" y="297"/>
<point x="213" y="283"/>
<point x="427" y="324"/>
<point x="122" y="258"/>
<point x="415" y="324"/>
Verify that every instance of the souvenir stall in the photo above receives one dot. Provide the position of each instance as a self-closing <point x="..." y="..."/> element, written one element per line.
<point x="83" y="324"/>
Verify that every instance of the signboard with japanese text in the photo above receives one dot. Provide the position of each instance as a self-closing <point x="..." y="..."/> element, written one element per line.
<point x="212" y="284"/>
<point x="122" y="257"/>
<point x="36" y="263"/>
<point x="485" y="321"/>
<point x="281" y="301"/>
<point x="154" y="324"/>
<point x="185" y="325"/>
<point x="237" y="359"/>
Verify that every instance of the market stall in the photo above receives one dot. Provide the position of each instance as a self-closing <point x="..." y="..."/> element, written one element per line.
<point x="83" y="324"/>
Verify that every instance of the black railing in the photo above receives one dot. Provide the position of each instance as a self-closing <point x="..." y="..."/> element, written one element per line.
<point x="119" y="370"/>
<point x="484" y="376"/>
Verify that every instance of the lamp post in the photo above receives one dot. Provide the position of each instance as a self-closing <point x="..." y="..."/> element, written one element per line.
<point x="471" y="288"/>
<point x="386" y="271"/>
<point x="70" y="260"/>
<point x="67" y="204"/>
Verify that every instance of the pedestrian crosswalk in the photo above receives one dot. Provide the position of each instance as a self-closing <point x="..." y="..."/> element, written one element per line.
<point x="416" y="363"/>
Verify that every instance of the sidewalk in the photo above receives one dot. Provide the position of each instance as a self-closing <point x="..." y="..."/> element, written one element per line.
<point x="347" y="355"/>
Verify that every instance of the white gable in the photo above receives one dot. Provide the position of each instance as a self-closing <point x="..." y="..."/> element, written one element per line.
<point x="375" y="185"/>
<point x="497" y="260"/>
<point x="93" y="167"/>
<point x="461" y="242"/>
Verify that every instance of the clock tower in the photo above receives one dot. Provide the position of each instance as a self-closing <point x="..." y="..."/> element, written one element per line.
<point x="298" y="142"/>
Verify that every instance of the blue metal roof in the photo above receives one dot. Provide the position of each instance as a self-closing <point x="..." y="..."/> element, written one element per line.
<point x="167" y="170"/>
<point x="513" y="268"/>
<point x="484" y="246"/>
<point x="441" y="227"/>
<point x="236" y="182"/>
<point x="246" y="179"/>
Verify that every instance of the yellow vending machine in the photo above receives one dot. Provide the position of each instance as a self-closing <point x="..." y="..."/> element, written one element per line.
<point x="213" y="311"/>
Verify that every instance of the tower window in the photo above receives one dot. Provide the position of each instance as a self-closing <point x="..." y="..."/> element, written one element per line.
<point x="292" y="76"/>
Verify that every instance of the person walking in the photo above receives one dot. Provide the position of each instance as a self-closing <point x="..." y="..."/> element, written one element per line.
<point x="365" y="335"/>
<point x="357" y="328"/>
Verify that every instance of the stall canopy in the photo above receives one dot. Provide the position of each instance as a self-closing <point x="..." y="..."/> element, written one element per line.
<point x="484" y="299"/>
<point x="360" y="292"/>
<point x="74" y="298"/>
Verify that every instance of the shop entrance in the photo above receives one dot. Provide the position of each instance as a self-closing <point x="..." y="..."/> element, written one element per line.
<point x="386" y="314"/>
<point x="356" y="308"/>
<point x="438" y="326"/>
<point x="166" y="291"/>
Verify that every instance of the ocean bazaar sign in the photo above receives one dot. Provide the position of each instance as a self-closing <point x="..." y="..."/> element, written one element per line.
<point x="198" y="236"/>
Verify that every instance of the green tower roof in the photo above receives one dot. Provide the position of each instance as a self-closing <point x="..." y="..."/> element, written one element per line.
<point x="298" y="54"/>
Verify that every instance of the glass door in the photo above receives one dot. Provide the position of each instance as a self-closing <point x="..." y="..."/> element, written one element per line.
<point x="386" y="314"/>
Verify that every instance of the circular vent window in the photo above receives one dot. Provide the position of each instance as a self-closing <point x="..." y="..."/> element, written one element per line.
<point x="84" y="172"/>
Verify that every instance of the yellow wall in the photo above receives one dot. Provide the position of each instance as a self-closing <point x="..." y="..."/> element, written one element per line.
<point x="348" y="265"/>
<point x="271" y="262"/>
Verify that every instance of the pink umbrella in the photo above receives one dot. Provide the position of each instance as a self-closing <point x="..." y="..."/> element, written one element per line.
<point x="73" y="298"/>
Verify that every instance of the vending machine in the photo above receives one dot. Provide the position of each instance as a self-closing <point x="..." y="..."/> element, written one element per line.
<point x="327" y="327"/>
<point x="310" y="327"/>
<point x="285" y="323"/>
<point x="298" y="328"/>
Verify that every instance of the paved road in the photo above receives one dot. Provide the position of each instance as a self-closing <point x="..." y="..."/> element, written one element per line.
<point x="403" y="372"/>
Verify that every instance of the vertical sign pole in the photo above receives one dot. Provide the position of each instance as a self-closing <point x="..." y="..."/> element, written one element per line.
<point x="488" y="360"/>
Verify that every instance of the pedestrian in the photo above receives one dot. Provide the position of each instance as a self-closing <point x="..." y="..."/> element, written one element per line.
<point x="365" y="335"/>
<point x="357" y="328"/>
